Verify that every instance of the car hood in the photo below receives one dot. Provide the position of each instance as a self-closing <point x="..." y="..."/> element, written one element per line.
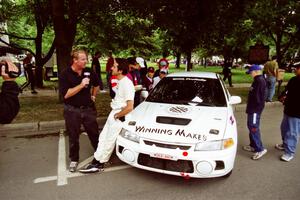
<point x="177" y="123"/>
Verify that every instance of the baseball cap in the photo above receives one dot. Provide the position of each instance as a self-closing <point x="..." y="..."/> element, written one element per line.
<point x="253" y="68"/>
<point x="151" y="69"/>
<point x="162" y="63"/>
<point x="140" y="61"/>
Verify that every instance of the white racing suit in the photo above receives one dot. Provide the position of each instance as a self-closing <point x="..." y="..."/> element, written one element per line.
<point x="112" y="127"/>
<point x="108" y="137"/>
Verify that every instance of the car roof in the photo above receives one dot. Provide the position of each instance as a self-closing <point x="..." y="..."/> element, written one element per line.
<point x="194" y="74"/>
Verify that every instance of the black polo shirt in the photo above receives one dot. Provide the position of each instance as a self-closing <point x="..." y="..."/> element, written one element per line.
<point x="69" y="79"/>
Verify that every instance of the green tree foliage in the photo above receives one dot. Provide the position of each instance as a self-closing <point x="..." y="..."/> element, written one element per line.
<point x="279" y="20"/>
<point x="29" y="30"/>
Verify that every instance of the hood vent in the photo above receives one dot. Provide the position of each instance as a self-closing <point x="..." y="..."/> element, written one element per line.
<point x="178" y="109"/>
<point x="173" y="120"/>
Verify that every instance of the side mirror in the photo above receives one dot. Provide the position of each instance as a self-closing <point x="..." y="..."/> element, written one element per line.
<point x="235" y="100"/>
<point x="144" y="94"/>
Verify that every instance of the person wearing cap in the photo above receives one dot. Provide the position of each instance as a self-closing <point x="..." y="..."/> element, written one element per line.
<point x="255" y="106"/>
<point x="290" y="125"/>
<point x="162" y="74"/>
<point x="163" y="63"/>
<point x="271" y="71"/>
<point x="148" y="79"/>
<point x="143" y="66"/>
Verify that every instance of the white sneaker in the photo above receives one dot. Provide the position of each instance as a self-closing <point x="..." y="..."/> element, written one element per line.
<point x="103" y="91"/>
<point x="279" y="147"/>
<point x="260" y="154"/>
<point x="73" y="166"/>
<point x="248" y="148"/>
<point x="286" y="157"/>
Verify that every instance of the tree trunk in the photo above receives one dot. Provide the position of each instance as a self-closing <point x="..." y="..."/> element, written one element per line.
<point x="279" y="54"/>
<point x="188" y="59"/>
<point x="65" y="31"/>
<point x="178" y="57"/>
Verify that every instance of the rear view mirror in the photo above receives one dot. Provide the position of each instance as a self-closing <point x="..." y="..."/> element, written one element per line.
<point x="235" y="100"/>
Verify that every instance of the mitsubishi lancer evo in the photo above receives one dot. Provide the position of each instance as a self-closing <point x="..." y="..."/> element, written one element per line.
<point x="185" y="127"/>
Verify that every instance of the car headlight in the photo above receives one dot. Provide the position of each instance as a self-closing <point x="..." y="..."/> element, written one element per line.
<point x="130" y="135"/>
<point x="214" y="145"/>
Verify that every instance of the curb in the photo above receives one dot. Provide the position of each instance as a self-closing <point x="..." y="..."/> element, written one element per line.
<point x="38" y="128"/>
<point x="50" y="127"/>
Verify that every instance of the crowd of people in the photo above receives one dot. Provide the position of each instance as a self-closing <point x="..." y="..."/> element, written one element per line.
<point x="261" y="91"/>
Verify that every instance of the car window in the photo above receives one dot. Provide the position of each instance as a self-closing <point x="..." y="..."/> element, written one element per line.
<point x="189" y="91"/>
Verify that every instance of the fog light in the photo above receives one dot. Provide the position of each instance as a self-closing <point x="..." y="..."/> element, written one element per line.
<point x="205" y="167"/>
<point x="128" y="155"/>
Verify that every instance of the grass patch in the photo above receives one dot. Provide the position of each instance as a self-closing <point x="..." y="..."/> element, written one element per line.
<point x="49" y="109"/>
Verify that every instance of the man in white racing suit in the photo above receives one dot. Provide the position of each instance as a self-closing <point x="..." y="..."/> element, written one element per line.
<point x="121" y="105"/>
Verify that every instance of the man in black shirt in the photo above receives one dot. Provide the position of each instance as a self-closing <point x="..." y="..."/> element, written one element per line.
<point x="255" y="106"/>
<point x="78" y="86"/>
<point x="9" y="102"/>
<point x="290" y="125"/>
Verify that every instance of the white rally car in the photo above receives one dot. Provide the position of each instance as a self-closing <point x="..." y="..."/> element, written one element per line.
<point x="185" y="127"/>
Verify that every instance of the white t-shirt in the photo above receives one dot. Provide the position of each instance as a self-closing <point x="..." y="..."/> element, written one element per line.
<point x="124" y="92"/>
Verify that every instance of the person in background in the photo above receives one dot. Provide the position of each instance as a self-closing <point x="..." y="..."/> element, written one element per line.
<point x="143" y="66"/>
<point x="271" y="71"/>
<point x="290" y="125"/>
<point x="135" y="76"/>
<point x="121" y="105"/>
<point x="148" y="79"/>
<point x="97" y="69"/>
<point x="162" y="74"/>
<point x="227" y="71"/>
<point x="78" y="86"/>
<point x="255" y="106"/>
<point x="109" y="64"/>
<point x="29" y="67"/>
<point x="9" y="102"/>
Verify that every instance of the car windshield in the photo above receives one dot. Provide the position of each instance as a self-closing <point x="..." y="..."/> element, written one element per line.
<point x="189" y="91"/>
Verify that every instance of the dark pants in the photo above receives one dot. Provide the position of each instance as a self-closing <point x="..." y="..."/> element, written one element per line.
<point x="228" y="75"/>
<point x="253" y="122"/>
<point x="30" y="79"/>
<point x="74" y="117"/>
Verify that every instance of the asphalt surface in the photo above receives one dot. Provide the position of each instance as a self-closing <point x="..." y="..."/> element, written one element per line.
<point x="33" y="168"/>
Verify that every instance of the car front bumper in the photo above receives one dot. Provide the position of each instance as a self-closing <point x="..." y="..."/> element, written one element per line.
<point x="176" y="161"/>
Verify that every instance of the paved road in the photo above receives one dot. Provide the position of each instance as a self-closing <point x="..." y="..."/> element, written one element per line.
<point x="29" y="169"/>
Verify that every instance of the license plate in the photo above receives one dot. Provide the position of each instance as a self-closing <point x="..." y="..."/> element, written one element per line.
<point x="163" y="156"/>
